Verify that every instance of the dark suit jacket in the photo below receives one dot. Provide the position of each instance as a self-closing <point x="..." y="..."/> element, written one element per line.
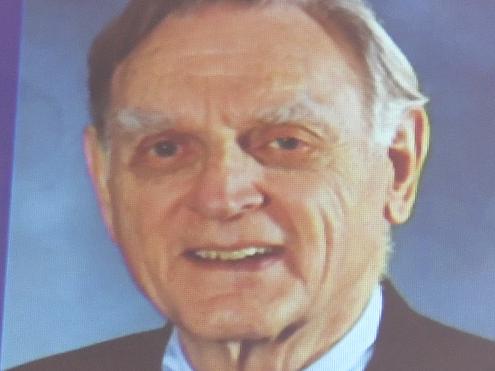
<point x="406" y="342"/>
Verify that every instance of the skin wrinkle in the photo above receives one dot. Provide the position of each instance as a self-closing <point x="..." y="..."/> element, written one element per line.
<point x="313" y="70"/>
<point x="390" y="81"/>
<point x="328" y="237"/>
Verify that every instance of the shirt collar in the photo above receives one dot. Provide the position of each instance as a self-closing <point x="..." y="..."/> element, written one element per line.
<point x="354" y="350"/>
<point x="350" y="353"/>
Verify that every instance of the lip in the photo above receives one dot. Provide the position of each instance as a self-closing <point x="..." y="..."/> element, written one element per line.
<point x="250" y="263"/>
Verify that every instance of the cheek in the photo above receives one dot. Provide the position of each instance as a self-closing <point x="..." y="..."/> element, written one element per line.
<point x="148" y="201"/>
<point x="334" y="215"/>
<point x="309" y="210"/>
<point x="364" y="237"/>
<point x="146" y="221"/>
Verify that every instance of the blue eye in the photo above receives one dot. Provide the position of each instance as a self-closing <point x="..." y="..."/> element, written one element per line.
<point x="165" y="148"/>
<point x="287" y="143"/>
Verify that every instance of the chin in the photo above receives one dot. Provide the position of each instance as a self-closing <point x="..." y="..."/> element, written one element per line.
<point x="232" y="325"/>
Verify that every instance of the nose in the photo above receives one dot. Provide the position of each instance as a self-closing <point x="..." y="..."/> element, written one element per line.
<point x="228" y="186"/>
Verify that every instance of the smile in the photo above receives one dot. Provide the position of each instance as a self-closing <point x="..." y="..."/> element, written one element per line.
<point x="233" y="255"/>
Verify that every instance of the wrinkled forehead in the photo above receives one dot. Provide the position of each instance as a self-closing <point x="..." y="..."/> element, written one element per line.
<point x="261" y="52"/>
<point x="231" y="31"/>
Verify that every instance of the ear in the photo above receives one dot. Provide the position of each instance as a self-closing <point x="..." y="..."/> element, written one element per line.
<point x="98" y="166"/>
<point x="407" y="154"/>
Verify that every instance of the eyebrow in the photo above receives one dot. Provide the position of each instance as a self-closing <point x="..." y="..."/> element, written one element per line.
<point x="303" y="110"/>
<point x="135" y="119"/>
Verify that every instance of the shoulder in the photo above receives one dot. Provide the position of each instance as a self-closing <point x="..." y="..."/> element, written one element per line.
<point x="142" y="351"/>
<point x="408" y="341"/>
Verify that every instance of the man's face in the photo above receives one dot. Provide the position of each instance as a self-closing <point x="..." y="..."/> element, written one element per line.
<point x="241" y="183"/>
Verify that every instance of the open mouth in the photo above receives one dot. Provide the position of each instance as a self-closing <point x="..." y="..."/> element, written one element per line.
<point x="234" y="257"/>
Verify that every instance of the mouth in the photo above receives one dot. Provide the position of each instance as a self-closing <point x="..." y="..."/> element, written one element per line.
<point x="249" y="257"/>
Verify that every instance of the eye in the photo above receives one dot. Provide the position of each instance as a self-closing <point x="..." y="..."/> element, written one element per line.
<point x="165" y="148"/>
<point x="283" y="146"/>
<point x="166" y="152"/>
<point x="286" y="143"/>
<point x="291" y="145"/>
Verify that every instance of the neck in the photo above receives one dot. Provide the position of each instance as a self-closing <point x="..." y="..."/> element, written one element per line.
<point x="295" y="348"/>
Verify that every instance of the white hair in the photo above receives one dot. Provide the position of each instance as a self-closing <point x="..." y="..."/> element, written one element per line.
<point x="392" y="84"/>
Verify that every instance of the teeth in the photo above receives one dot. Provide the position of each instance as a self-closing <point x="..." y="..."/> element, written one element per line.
<point x="232" y="255"/>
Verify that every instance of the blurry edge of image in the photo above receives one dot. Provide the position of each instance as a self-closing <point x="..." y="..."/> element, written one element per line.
<point x="10" y="26"/>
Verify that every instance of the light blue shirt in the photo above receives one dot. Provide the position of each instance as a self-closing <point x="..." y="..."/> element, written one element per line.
<point x="351" y="353"/>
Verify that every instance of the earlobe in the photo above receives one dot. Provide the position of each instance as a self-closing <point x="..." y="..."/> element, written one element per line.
<point x="407" y="154"/>
<point x="97" y="166"/>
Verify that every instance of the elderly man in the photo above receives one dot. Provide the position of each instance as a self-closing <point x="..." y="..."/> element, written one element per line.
<point x="250" y="158"/>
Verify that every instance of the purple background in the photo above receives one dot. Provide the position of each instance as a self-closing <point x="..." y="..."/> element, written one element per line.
<point x="10" y="26"/>
<point x="67" y="285"/>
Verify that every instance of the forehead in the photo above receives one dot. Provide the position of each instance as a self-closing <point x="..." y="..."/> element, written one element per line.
<point x="267" y="54"/>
